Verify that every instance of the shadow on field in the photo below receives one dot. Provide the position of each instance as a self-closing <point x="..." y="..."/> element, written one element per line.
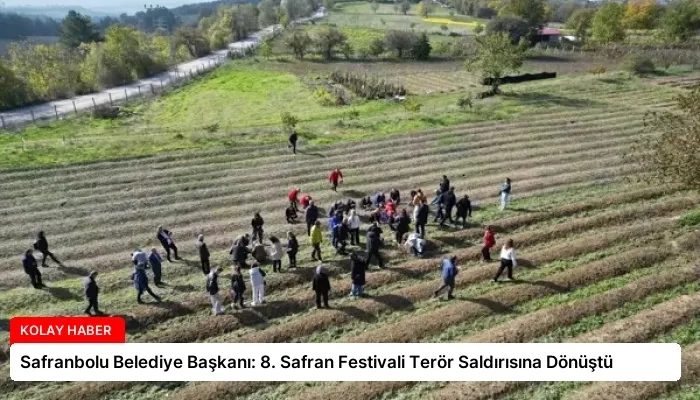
<point x="528" y="264"/>
<point x="357" y="313"/>
<point x="494" y="306"/>
<point x="353" y="193"/>
<point x="395" y="302"/>
<point x="524" y="210"/>
<point x="62" y="294"/>
<point x="454" y="241"/>
<point x="308" y="153"/>
<point x="546" y="284"/>
<point x="4" y="324"/>
<point x="551" y="99"/>
<point x="73" y="270"/>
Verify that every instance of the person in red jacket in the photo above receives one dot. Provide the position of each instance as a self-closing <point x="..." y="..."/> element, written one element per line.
<point x="293" y="198"/>
<point x="305" y="200"/>
<point x="489" y="242"/>
<point x="335" y="177"/>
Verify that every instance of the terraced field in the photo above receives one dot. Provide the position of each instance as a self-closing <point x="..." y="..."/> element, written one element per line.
<point x="602" y="258"/>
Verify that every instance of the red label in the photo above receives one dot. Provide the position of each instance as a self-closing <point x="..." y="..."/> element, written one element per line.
<point x="67" y="330"/>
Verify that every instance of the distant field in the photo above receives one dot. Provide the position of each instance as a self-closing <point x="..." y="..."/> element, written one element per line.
<point x="359" y="14"/>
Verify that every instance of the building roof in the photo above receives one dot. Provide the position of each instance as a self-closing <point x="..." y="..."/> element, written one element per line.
<point x="549" y="31"/>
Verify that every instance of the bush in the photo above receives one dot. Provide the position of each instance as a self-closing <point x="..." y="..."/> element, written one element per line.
<point x="289" y="121"/>
<point x="411" y="105"/>
<point x="691" y="218"/>
<point x="329" y="97"/>
<point x="597" y="70"/>
<point x="105" y="112"/>
<point x="369" y="88"/>
<point x="639" y="64"/>
<point x="464" y="102"/>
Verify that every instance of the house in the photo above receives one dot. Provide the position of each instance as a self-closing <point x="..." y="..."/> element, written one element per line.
<point x="548" y="35"/>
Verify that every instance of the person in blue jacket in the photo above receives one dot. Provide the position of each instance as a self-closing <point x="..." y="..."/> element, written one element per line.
<point x="449" y="273"/>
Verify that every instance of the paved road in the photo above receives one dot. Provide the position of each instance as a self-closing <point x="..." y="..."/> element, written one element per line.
<point x="58" y="108"/>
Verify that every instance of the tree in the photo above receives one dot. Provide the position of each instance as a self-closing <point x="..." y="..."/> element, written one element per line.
<point x="580" y="22"/>
<point x="673" y="157"/>
<point x="424" y="9"/>
<point x="299" y="41"/>
<point x="641" y="14"/>
<point x="77" y="28"/>
<point x="13" y="91"/>
<point x="533" y="12"/>
<point x="266" y="49"/>
<point x="268" y="13"/>
<point x="516" y="27"/>
<point x="327" y="39"/>
<point x="50" y="71"/>
<point x="421" y="47"/>
<point x="193" y="39"/>
<point x="376" y="47"/>
<point x="478" y="28"/>
<point x="295" y="9"/>
<point x="405" y="7"/>
<point x="496" y="55"/>
<point x="681" y="20"/>
<point x="374" y="6"/>
<point x="399" y="41"/>
<point x="607" y="24"/>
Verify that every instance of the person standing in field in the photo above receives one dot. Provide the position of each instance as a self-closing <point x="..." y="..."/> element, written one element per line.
<point x="418" y="198"/>
<point x="32" y="269"/>
<point x="293" y="197"/>
<point x="357" y="274"/>
<point x="402" y="225"/>
<point x="165" y="238"/>
<point x="508" y="260"/>
<point x="444" y="184"/>
<point x="334" y="178"/>
<point x="449" y="273"/>
<point x="311" y="216"/>
<point x="239" y="252"/>
<point x="213" y="289"/>
<point x="489" y="242"/>
<point x="321" y="285"/>
<point x="92" y="291"/>
<point x="275" y="254"/>
<point x="354" y="227"/>
<point x="257" y="223"/>
<point x="438" y="201"/>
<point x="374" y="243"/>
<point x="292" y="249"/>
<point x="293" y="141"/>
<point x="237" y="288"/>
<point x="155" y="261"/>
<point x="203" y="254"/>
<point x="505" y="193"/>
<point x="421" y="217"/>
<point x="464" y="210"/>
<point x="140" y="279"/>
<point x="42" y="245"/>
<point x="449" y="202"/>
<point x="316" y="239"/>
<point x="257" y="280"/>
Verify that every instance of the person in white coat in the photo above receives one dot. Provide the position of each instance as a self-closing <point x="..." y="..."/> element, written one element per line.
<point x="213" y="290"/>
<point x="508" y="260"/>
<point x="505" y="193"/>
<point x="275" y="253"/>
<point x="257" y="281"/>
<point x="415" y="243"/>
<point x="354" y="227"/>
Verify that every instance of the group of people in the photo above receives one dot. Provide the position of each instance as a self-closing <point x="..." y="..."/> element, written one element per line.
<point x="343" y="223"/>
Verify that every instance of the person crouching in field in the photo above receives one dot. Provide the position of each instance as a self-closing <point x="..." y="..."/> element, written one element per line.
<point x="239" y="252"/>
<point x="293" y="197"/>
<point x="32" y="269"/>
<point x="203" y="254"/>
<point x="322" y="286"/>
<point x="402" y="225"/>
<point x="505" y="193"/>
<point x="290" y="214"/>
<point x="92" y="291"/>
<point x="257" y="281"/>
<point x="165" y="238"/>
<point x="275" y="254"/>
<point x="213" y="290"/>
<point x="489" y="242"/>
<point x="416" y="244"/>
<point x="42" y="245"/>
<point x="395" y="196"/>
<point x="155" y="261"/>
<point x="449" y="273"/>
<point x="508" y="260"/>
<point x="237" y="288"/>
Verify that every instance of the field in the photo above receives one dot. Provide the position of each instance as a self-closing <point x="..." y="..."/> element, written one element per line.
<point x="597" y="250"/>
